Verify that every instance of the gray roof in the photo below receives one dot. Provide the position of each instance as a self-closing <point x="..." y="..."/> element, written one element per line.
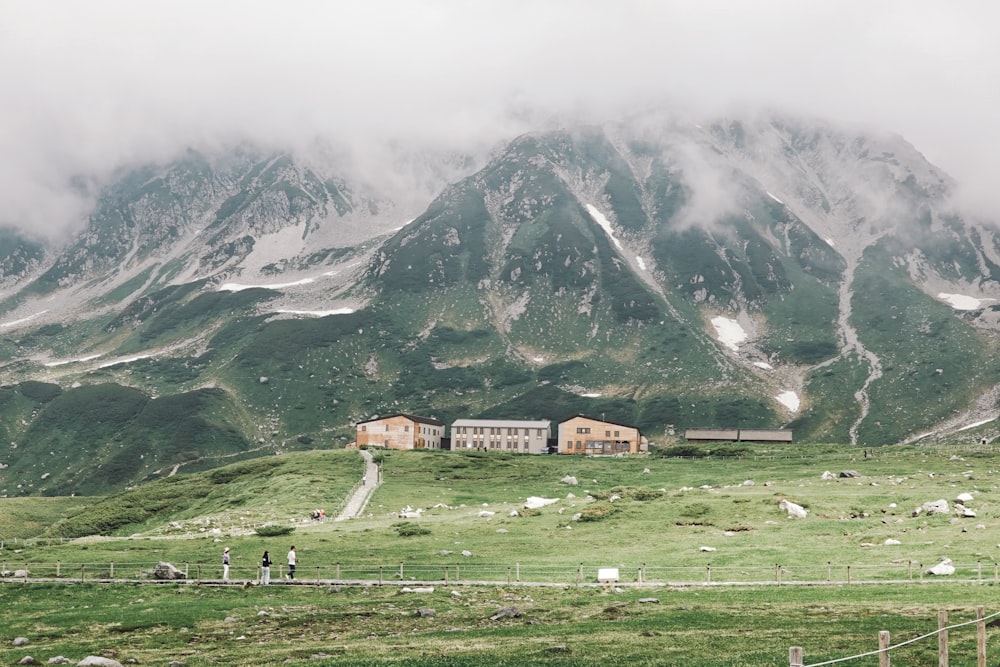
<point x="502" y="423"/>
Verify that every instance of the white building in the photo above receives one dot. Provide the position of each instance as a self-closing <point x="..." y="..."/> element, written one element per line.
<point x="508" y="435"/>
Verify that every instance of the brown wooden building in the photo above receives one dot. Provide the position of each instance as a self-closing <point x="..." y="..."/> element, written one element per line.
<point x="400" y="431"/>
<point x="596" y="437"/>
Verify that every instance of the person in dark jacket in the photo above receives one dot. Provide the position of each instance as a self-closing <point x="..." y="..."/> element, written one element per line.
<point x="265" y="569"/>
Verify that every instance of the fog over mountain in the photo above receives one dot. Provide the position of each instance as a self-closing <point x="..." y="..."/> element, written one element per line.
<point x="91" y="88"/>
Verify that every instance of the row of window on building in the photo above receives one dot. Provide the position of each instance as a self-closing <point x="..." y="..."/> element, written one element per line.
<point x="577" y="435"/>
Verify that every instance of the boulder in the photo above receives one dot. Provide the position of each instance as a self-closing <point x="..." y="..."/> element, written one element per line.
<point x="535" y="502"/>
<point x="20" y="641"/>
<point x="506" y="612"/>
<point x="98" y="661"/>
<point x="28" y="660"/>
<point x="58" y="660"/>
<point x="165" y="571"/>
<point x="706" y="548"/>
<point x="936" y="507"/>
<point x="796" y="511"/>
<point x="849" y="474"/>
<point x="891" y="542"/>
<point x="827" y="475"/>
<point x="963" y="498"/>
<point x="569" y="479"/>
<point x="942" y="569"/>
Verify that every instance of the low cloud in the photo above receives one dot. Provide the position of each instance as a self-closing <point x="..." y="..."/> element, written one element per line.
<point x="105" y="84"/>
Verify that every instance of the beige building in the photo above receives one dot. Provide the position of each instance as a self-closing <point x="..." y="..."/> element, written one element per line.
<point x="400" y="431"/>
<point x="525" y="437"/>
<point x="595" y="437"/>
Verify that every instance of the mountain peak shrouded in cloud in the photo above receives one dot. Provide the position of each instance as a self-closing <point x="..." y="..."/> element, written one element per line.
<point x="107" y="84"/>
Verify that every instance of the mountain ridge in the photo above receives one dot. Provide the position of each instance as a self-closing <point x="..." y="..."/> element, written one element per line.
<point x="754" y="272"/>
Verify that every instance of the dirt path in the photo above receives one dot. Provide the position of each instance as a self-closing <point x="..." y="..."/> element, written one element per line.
<point x="369" y="482"/>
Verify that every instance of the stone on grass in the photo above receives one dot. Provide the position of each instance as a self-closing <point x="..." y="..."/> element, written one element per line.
<point x="963" y="498"/>
<point x="849" y="474"/>
<point x="536" y="502"/>
<point x="827" y="475"/>
<point x="942" y="569"/>
<point x="505" y="612"/>
<point x="58" y="660"/>
<point x="166" y="571"/>
<point x="28" y="660"/>
<point x="706" y="548"/>
<point x="649" y="600"/>
<point x="98" y="661"/>
<point x="569" y="479"/>
<point x="891" y="542"/>
<point x="794" y="510"/>
<point x="417" y="589"/>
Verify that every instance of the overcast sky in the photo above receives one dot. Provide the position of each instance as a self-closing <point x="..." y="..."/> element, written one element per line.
<point x="86" y="87"/>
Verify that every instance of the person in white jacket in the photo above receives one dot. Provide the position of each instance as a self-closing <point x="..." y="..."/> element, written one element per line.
<point x="225" y="564"/>
<point x="292" y="560"/>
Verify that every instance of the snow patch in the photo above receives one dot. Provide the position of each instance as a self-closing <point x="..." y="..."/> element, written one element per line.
<point x="641" y="263"/>
<point x="63" y="362"/>
<point x="962" y="302"/>
<point x="604" y="223"/>
<point x="538" y="359"/>
<point x="789" y="399"/>
<point x="239" y="287"/>
<point x="125" y="360"/>
<point x="731" y="334"/>
<point x="14" y="323"/>
<point x="763" y="364"/>
<point x="975" y="424"/>
<point x="317" y="313"/>
<point x="775" y="198"/>
<point x="591" y="395"/>
<point x="829" y="242"/>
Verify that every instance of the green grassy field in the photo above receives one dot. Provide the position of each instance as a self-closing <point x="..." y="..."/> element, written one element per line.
<point x="678" y="521"/>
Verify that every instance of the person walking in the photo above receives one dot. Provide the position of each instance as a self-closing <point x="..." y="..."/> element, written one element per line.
<point x="265" y="569"/>
<point x="225" y="564"/>
<point x="292" y="560"/>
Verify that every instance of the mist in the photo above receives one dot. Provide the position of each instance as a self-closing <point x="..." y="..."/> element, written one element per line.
<point x="91" y="88"/>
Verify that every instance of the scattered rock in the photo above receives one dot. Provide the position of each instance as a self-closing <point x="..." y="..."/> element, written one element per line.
<point x="793" y="509"/>
<point x="466" y="553"/>
<point x="849" y="474"/>
<point x="891" y="542"/>
<point x="514" y="513"/>
<point x="425" y="613"/>
<point x="827" y="475"/>
<point x="98" y="661"/>
<point x="506" y="612"/>
<point x="21" y="641"/>
<point x="445" y="552"/>
<point x="166" y="571"/>
<point x="569" y="479"/>
<point x="748" y="482"/>
<point x="262" y="613"/>
<point x="934" y="507"/>
<point x="649" y="600"/>
<point x="58" y="660"/>
<point x="558" y="648"/>
<point x="485" y="514"/>
<point x="28" y="660"/>
<point x="943" y="569"/>
<point x="645" y="471"/>
<point x="417" y="589"/>
<point x="502" y="530"/>
<point x="706" y="548"/>
<point x="963" y="498"/>
<point x="536" y="502"/>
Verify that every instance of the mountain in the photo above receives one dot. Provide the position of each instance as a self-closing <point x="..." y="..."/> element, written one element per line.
<point x="766" y="271"/>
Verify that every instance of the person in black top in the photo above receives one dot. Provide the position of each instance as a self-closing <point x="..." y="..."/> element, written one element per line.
<point x="265" y="569"/>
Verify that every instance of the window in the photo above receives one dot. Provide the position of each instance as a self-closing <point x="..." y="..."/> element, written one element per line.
<point x="607" y="434"/>
<point x="616" y="434"/>
<point x="364" y="427"/>
<point x="406" y="429"/>
<point x="583" y="429"/>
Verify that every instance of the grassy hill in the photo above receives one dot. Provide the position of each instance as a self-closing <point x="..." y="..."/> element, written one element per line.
<point x="666" y="510"/>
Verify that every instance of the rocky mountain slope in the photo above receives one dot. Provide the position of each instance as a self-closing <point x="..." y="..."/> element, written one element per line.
<point x="753" y="272"/>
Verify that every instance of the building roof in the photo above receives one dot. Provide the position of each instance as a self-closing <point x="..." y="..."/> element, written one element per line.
<point x="603" y="421"/>
<point x="412" y="418"/>
<point x="503" y="423"/>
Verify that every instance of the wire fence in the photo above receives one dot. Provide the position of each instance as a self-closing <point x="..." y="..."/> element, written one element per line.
<point x="459" y="571"/>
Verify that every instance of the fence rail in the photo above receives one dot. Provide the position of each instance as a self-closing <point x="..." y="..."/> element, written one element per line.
<point x="455" y="571"/>
<point x="796" y="655"/>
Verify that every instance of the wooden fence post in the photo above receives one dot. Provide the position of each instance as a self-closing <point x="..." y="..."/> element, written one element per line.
<point x="508" y="575"/>
<point x="58" y="569"/>
<point x="829" y="570"/>
<point x="795" y="656"/>
<point x="883" y="648"/>
<point x="980" y="637"/>
<point x="708" y="573"/>
<point x="400" y="571"/>
<point x="579" y="575"/>
<point x="111" y="571"/>
<point x="942" y="639"/>
<point x="517" y="571"/>
<point x="848" y="574"/>
<point x="379" y="575"/>
<point x="777" y="572"/>
<point x="338" y="571"/>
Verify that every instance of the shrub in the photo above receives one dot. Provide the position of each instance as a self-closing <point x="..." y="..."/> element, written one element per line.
<point x="598" y="511"/>
<point x="409" y="529"/>
<point x="274" y="531"/>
